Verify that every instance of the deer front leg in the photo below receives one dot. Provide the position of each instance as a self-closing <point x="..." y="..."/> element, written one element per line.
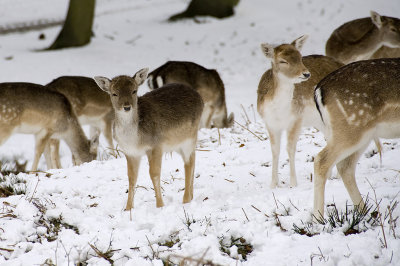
<point x="155" y="160"/>
<point x="55" y="152"/>
<point x="52" y="154"/>
<point x="292" y="137"/>
<point x="275" y="141"/>
<point x="133" y="170"/>
<point x="41" y="140"/>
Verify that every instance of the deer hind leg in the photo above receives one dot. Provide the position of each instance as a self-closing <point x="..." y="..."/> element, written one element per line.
<point x="275" y="141"/>
<point x="292" y="137"/>
<point x="133" y="170"/>
<point x="41" y="140"/>
<point x="347" y="170"/>
<point x="334" y="152"/>
<point x="155" y="161"/>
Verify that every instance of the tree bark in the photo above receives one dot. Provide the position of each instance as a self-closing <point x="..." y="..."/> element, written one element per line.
<point x="77" y="28"/>
<point x="214" y="8"/>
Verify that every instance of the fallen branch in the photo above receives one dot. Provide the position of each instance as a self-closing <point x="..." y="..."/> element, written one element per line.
<point x="249" y="131"/>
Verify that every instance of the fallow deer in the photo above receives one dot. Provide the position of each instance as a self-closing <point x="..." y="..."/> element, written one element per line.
<point x="163" y="120"/>
<point x="32" y="109"/>
<point x="91" y="105"/>
<point x="357" y="103"/>
<point x="206" y="82"/>
<point x="286" y="97"/>
<point x="359" y="39"/>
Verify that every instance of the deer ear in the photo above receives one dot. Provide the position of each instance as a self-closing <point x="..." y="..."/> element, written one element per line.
<point x="376" y="19"/>
<point x="103" y="83"/>
<point x="268" y="50"/>
<point x="141" y="76"/>
<point x="299" y="42"/>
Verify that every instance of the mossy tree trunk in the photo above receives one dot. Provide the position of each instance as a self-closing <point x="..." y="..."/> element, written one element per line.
<point x="214" y="8"/>
<point x="77" y="28"/>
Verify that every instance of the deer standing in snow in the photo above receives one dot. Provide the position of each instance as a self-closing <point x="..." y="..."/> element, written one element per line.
<point x="358" y="102"/>
<point x="32" y="109"/>
<point x="206" y="82"/>
<point x="91" y="105"/>
<point x="286" y="97"/>
<point x="359" y="39"/>
<point x="163" y="120"/>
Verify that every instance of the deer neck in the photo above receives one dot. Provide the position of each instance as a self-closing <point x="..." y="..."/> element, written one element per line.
<point x="127" y="120"/>
<point x="78" y="143"/>
<point x="283" y="87"/>
<point x="127" y="131"/>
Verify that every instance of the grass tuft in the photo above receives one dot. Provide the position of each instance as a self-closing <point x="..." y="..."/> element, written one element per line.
<point x="243" y="247"/>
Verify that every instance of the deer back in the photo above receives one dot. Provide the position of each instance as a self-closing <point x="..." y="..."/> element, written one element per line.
<point x="31" y="108"/>
<point x="206" y="81"/>
<point x="168" y="109"/>
<point x="83" y="94"/>
<point x="360" y="95"/>
<point x="359" y="39"/>
<point x="31" y="105"/>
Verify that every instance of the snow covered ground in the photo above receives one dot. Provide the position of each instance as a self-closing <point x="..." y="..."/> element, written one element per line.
<point x="232" y="174"/>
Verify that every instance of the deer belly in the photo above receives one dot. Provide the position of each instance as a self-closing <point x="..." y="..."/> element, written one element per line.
<point x="389" y="130"/>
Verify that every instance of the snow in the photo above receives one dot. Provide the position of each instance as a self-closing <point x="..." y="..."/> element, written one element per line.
<point x="232" y="175"/>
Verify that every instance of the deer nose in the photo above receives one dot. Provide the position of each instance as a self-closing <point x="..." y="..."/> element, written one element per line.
<point x="306" y="75"/>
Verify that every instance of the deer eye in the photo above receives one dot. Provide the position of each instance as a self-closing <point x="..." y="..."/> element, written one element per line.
<point x="283" y="62"/>
<point x="393" y="29"/>
<point x="134" y="91"/>
<point x="114" y="94"/>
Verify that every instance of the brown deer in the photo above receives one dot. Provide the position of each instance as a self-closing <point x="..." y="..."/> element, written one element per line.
<point x="32" y="109"/>
<point x="359" y="39"/>
<point x="163" y="120"/>
<point x="358" y="102"/>
<point x="91" y="105"/>
<point x="206" y="82"/>
<point x="286" y="97"/>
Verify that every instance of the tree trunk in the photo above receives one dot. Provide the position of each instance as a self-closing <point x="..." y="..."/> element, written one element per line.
<point x="214" y="8"/>
<point x="77" y="28"/>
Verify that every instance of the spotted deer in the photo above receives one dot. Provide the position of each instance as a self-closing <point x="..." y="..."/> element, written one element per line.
<point x="163" y="120"/>
<point x="359" y="39"/>
<point x="29" y="108"/>
<point x="206" y="82"/>
<point x="358" y="102"/>
<point x="285" y="97"/>
<point x="91" y="105"/>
